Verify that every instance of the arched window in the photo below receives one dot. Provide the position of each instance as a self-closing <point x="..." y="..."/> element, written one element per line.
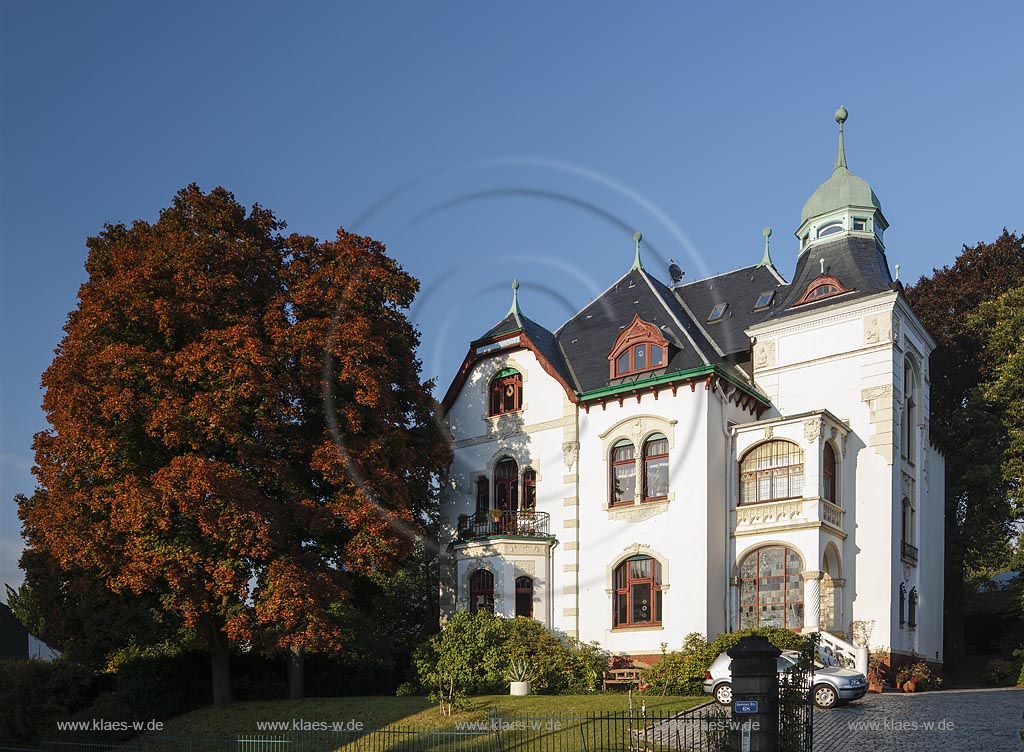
<point x="524" y="597"/>
<point x="830" y="229"/>
<point x="655" y="486"/>
<point x="822" y="287"/>
<point x="909" y="411"/>
<point x="506" y="485"/>
<point x="912" y="609"/>
<point x="482" y="494"/>
<point x="529" y="489"/>
<point x="770" y="471"/>
<point x="640" y="347"/>
<point x="506" y="392"/>
<point x="772" y="588"/>
<point x="623" y="477"/>
<point x="828" y="474"/>
<point x="637" y="592"/>
<point x="481" y="591"/>
<point x="903" y="604"/>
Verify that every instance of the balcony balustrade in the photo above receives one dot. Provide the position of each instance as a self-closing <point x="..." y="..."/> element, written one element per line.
<point x="518" y="523"/>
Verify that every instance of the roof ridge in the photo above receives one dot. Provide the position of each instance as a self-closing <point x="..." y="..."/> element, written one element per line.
<point x="700" y="326"/>
<point x="664" y="303"/>
<point x="721" y="274"/>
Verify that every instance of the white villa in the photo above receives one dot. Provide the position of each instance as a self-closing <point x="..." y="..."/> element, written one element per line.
<point x="705" y="456"/>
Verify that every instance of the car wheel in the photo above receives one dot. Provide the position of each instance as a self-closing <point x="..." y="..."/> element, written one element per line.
<point x="825" y="696"/>
<point x="723" y="693"/>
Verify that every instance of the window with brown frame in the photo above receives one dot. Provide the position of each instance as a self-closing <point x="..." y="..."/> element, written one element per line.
<point x="640" y="347"/>
<point x="828" y="473"/>
<point x="637" y="593"/>
<point x="655" y="485"/>
<point x="524" y="597"/>
<point x="912" y="609"/>
<point x="903" y="605"/>
<point x="506" y="485"/>
<point x="639" y="358"/>
<point x="772" y="588"/>
<point x="529" y="489"/>
<point x="506" y="392"/>
<point x="822" y="287"/>
<point x="481" y="591"/>
<point x="623" y="473"/>
<point x="772" y="471"/>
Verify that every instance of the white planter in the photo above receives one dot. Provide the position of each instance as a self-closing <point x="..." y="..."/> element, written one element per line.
<point x="519" y="689"/>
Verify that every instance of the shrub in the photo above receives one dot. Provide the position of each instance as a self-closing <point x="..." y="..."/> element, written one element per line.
<point x="920" y="673"/>
<point x="34" y="695"/>
<point x="682" y="672"/>
<point x="1000" y="672"/>
<point x="473" y="652"/>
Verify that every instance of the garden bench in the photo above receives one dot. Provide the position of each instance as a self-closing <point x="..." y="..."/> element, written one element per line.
<point x="620" y="677"/>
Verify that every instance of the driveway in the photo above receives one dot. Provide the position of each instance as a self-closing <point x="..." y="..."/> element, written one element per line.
<point x="968" y="720"/>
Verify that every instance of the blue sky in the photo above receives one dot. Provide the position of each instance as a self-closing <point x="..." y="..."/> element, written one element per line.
<point x="486" y="141"/>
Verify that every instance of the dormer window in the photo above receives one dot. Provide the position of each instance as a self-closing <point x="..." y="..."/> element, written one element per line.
<point x="506" y="392"/>
<point x="717" y="313"/>
<point x="640" y="347"/>
<point x="830" y="228"/>
<point x="862" y="224"/>
<point x="822" y="287"/>
<point x="764" y="300"/>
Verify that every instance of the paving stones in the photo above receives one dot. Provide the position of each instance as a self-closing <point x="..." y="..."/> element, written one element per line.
<point x="986" y="720"/>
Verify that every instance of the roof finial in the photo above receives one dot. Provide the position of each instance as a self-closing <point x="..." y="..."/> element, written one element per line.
<point x="514" y="310"/>
<point x="766" y="260"/>
<point x="822" y="265"/>
<point x="841" y="115"/>
<point x="637" y="264"/>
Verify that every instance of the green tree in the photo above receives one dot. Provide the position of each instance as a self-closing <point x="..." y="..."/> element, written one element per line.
<point x="979" y="512"/>
<point x="238" y="426"/>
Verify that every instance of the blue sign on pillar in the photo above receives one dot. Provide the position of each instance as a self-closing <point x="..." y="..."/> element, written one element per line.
<point x="746" y="706"/>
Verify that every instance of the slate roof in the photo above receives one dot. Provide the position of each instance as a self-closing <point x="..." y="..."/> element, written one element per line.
<point x="858" y="263"/>
<point x="587" y="338"/>
<point x="578" y="351"/>
<point x="544" y="340"/>
<point x="740" y="289"/>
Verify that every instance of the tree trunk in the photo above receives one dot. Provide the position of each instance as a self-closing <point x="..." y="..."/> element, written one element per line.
<point x="220" y="654"/>
<point x="296" y="677"/>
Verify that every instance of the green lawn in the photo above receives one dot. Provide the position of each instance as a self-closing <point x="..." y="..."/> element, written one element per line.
<point x="381" y="712"/>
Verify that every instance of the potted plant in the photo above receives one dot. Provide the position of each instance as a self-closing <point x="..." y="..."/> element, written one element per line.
<point x="876" y="669"/>
<point x="917" y="676"/>
<point x="520" y="673"/>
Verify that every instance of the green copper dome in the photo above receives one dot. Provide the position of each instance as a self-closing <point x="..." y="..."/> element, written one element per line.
<point x="843" y="188"/>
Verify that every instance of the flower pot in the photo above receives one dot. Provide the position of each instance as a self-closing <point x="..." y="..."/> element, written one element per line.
<point x="910" y="686"/>
<point x="875" y="686"/>
<point x="519" y="689"/>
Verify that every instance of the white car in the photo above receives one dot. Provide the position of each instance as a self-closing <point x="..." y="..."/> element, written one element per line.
<point x="831" y="685"/>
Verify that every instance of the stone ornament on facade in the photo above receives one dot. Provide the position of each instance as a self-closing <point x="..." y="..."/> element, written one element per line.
<point x="764" y="354"/>
<point x="570" y="453"/>
<point x="877" y="329"/>
<point x="813" y="429"/>
<point x="769" y="432"/>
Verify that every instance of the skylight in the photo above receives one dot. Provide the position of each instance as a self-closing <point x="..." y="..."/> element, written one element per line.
<point x="764" y="300"/>
<point x="717" y="313"/>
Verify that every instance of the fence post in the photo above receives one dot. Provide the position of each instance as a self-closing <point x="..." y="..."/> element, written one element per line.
<point x="755" y="696"/>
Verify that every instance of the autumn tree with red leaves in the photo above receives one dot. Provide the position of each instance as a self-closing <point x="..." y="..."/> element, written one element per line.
<point x="238" y="425"/>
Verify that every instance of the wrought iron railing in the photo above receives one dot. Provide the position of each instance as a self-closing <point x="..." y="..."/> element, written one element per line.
<point x="525" y="523"/>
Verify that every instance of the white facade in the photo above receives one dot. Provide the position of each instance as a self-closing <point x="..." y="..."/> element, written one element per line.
<point x="799" y="441"/>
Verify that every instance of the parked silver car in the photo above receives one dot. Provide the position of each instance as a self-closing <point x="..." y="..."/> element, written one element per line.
<point x="831" y="685"/>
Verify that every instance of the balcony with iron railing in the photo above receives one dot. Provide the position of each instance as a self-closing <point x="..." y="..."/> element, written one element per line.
<point x="508" y="523"/>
